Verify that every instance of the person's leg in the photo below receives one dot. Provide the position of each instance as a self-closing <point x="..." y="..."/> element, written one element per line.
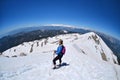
<point x="60" y="59"/>
<point x="55" y="59"/>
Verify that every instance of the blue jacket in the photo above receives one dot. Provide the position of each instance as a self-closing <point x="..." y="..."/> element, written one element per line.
<point x="59" y="50"/>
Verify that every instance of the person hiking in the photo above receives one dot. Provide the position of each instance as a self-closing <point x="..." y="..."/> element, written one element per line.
<point x="59" y="52"/>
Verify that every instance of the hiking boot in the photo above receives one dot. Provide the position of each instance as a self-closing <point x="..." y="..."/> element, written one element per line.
<point x="54" y="67"/>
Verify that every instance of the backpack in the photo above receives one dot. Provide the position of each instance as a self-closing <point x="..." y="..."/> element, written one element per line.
<point x="63" y="50"/>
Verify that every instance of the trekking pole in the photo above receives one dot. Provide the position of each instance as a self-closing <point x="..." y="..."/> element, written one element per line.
<point x="54" y="55"/>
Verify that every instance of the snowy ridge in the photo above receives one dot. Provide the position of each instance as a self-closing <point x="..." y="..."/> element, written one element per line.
<point x="95" y="47"/>
<point x="87" y="58"/>
<point x="90" y="44"/>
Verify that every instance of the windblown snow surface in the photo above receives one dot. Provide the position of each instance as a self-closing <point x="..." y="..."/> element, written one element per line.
<point x="87" y="58"/>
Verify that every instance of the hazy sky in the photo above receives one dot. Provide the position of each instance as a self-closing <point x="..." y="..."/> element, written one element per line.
<point x="100" y="15"/>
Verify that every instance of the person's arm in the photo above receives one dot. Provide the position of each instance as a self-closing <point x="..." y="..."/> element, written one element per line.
<point x="59" y="49"/>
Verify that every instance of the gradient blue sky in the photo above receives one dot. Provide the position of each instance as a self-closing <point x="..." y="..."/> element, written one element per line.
<point x="100" y="15"/>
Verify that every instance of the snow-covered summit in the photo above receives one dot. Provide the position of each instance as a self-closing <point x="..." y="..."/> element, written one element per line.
<point x="95" y="47"/>
<point x="90" y="44"/>
<point x="87" y="58"/>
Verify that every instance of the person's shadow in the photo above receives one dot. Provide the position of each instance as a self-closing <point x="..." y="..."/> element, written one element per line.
<point x="62" y="65"/>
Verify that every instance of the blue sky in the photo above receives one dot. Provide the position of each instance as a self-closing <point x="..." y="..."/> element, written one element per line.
<point x="100" y="15"/>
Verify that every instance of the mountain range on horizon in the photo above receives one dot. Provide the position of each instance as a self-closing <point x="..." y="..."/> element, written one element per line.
<point x="26" y="34"/>
<point x="51" y="27"/>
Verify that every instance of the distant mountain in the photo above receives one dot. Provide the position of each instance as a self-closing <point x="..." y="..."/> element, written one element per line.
<point x="19" y="36"/>
<point x="29" y="29"/>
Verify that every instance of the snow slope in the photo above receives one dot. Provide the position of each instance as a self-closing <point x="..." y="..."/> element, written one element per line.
<point x="87" y="58"/>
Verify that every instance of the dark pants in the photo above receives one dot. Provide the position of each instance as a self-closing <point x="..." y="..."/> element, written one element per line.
<point x="58" y="57"/>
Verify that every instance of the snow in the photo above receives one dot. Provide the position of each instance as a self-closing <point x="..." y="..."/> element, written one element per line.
<point x="62" y="25"/>
<point x="83" y="59"/>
